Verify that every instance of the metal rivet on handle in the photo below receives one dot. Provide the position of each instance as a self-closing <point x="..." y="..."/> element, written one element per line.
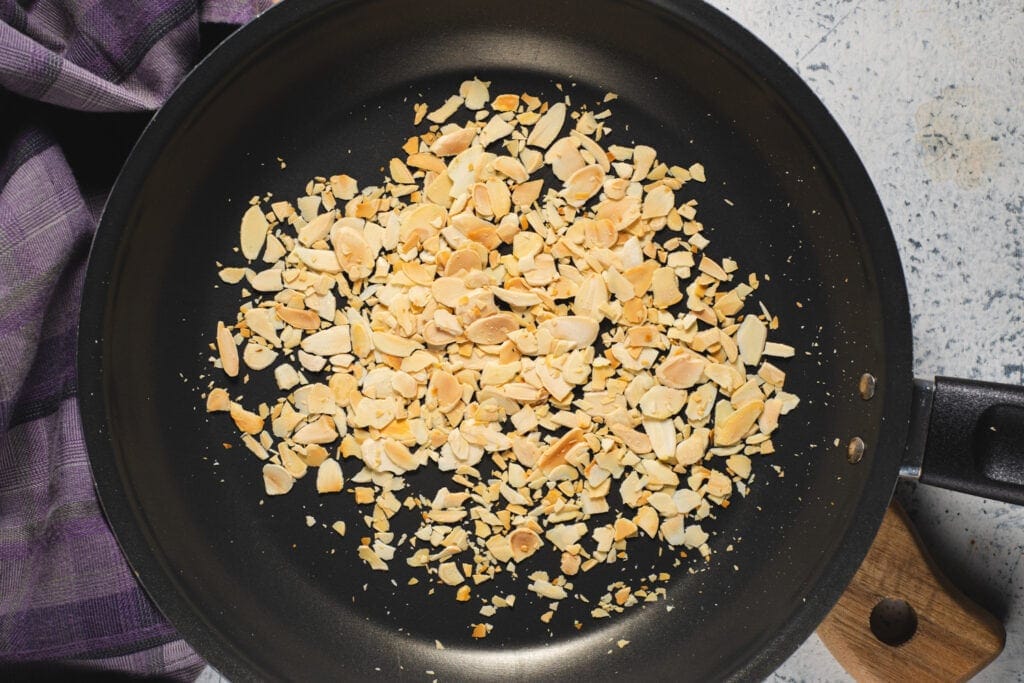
<point x="855" y="451"/>
<point x="867" y="386"/>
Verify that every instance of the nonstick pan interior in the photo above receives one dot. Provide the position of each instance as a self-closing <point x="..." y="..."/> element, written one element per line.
<point x="329" y="87"/>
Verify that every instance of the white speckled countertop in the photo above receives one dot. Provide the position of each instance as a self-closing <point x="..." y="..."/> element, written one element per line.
<point x="932" y="97"/>
<point x="931" y="94"/>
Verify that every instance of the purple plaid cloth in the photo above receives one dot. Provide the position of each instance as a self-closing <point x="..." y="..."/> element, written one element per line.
<point x="66" y="592"/>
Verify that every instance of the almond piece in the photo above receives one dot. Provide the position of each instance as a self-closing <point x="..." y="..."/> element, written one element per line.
<point x="227" y="350"/>
<point x="217" y="401"/>
<point x="445" y="389"/>
<point x="258" y="357"/>
<point x="736" y="426"/>
<point x="253" y="232"/>
<point x="750" y="339"/>
<point x="524" y="542"/>
<point x="247" y="422"/>
<point x="493" y="329"/>
<point x="681" y="371"/>
<point x="303" y="319"/>
<point x="276" y="480"/>
<point x="662" y="402"/>
<point x="583" y="184"/>
<point x="328" y="342"/>
<point x="548" y="127"/>
<point x="579" y="330"/>
<point x="328" y="477"/>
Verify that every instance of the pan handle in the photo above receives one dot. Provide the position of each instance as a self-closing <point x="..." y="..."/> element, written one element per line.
<point x="968" y="436"/>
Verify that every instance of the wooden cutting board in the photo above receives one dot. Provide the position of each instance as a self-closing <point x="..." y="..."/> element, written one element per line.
<point x="901" y="619"/>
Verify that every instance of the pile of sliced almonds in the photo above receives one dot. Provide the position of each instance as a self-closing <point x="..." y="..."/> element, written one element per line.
<point x="498" y="309"/>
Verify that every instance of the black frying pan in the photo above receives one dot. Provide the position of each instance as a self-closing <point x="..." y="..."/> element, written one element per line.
<point x="328" y="85"/>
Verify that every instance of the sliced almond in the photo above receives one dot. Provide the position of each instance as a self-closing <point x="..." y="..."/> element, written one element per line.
<point x="736" y="426"/>
<point x="247" y="422"/>
<point x="750" y="339"/>
<point x="253" y="232"/>
<point x="217" y="401"/>
<point x="328" y="342"/>
<point x="583" y="184"/>
<point x="393" y="345"/>
<point x="493" y="329"/>
<point x="303" y="319"/>
<point x="662" y="402"/>
<point x="328" y="477"/>
<point x="227" y="350"/>
<point x="524" y="542"/>
<point x="276" y="480"/>
<point x="579" y="330"/>
<point x="258" y="357"/>
<point x="548" y="127"/>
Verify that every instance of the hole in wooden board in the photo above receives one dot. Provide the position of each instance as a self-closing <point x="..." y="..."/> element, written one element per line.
<point x="893" y="621"/>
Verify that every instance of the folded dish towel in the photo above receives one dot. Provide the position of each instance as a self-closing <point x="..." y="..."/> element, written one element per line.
<point x="69" y="72"/>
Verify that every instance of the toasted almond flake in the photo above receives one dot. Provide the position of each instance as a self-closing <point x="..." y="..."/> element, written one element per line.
<point x="681" y="371"/>
<point x="493" y="329"/>
<point x="321" y="260"/>
<point x="580" y="331"/>
<point x="217" y="401"/>
<point x="328" y="342"/>
<point x="474" y="93"/>
<point x="302" y="319"/>
<point x="393" y="345"/>
<point x="505" y="102"/>
<point x="583" y="184"/>
<point x="564" y="158"/>
<point x="453" y="143"/>
<point x="328" y="478"/>
<point x="548" y="127"/>
<point x="768" y="421"/>
<point x="524" y="542"/>
<point x="227" y="350"/>
<point x="662" y="434"/>
<point x="258" y="357"/>
<point x="512" y="168"/>
<point x="445" y="111"/>
<point x="750" y="339"/>
<point x="771" y="374"/>
<point x="662" y="402"/>
<point x="740" y="465"/>
<point x="526" y="194"/>
<point x="736" y="425"/>
<point x="253" y="232"/>
<point x="232" y="275"/>
<point x="276" y="480"/>
<point x="777" y="350"/>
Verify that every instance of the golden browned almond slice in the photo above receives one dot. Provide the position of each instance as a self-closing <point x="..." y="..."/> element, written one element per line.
<point x="493" y="329"/>
<point x="276" y="480"/>
<point x="303" y="319"/>
<point x="227" y="350"/>
<point x="579" y="330"/>
<point x="524" y="542"/>
<point x="217" y="401"/>
<point x="253" y="232"/>
<point x="548" y="127"/>
<point x="736" y="426"/>
<point x="583" y="184"/>
<point x="328" y="477"/>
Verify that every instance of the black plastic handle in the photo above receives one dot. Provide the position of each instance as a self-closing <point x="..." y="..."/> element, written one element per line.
<point x="973" y="438"/>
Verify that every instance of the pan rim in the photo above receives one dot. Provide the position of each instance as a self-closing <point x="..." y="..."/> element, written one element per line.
<point x="127" y="519"/>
